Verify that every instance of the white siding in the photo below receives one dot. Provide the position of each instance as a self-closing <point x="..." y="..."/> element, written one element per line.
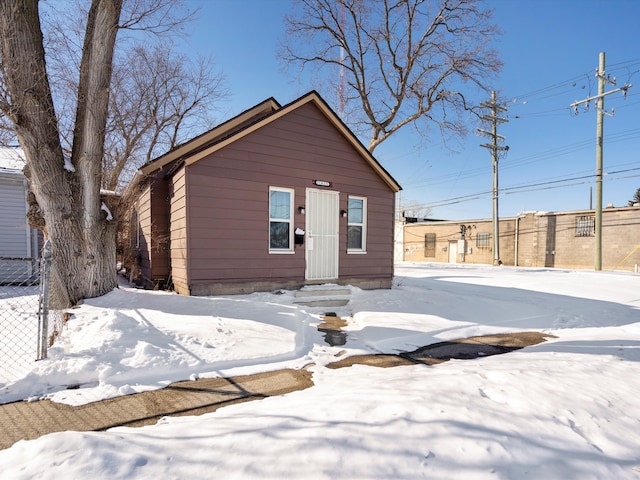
<point x="13" y="219"/>
<point x="15" y="236"/>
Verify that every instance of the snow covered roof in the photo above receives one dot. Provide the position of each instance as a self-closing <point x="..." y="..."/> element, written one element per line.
<point x="11" y="160"/>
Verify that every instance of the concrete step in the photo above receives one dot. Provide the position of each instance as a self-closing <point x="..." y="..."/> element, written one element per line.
<point x="323" y="296"/>
<point x="322" y="291"/>
<point x="323" y="302"/>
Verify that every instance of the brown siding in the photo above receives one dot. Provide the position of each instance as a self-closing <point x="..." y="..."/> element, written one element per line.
<point x="229" y="198"/>
<point x="160" y="231"/>
<point x="378" y="261"/>
<point x="150" y="259"/>
<point x="143" y="208"/>
<point x="178" y="228"/>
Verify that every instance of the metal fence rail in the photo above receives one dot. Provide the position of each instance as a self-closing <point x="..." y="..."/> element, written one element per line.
<point x="27" y="327"/>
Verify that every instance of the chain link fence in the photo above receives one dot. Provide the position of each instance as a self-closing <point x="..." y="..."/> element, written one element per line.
<point x="27" y="325"/>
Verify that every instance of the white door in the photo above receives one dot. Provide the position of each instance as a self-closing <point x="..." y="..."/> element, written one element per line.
<point x="453" y="251"/>
<point x="322" y="234"/>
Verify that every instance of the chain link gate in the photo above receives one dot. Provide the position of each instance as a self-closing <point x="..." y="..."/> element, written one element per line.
<point x="27" y="327"/>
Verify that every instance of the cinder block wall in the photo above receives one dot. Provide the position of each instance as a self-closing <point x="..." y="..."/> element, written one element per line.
<point x="537" y="239"/>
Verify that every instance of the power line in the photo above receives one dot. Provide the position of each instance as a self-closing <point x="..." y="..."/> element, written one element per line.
<point x="571" y="184"/>
<point x="617" y="67"/>
<point x="508" y="164"/>
<point x="548" y="185"/>
<point x="626" y="66"/>
<point x="528" y="159"/>
<point x="564" y="83"/>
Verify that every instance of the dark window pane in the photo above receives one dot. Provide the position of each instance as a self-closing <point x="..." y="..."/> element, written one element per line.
<point x="354" y="237"/>
<point x="430" y="245"/>
<point x="278" y="235"/>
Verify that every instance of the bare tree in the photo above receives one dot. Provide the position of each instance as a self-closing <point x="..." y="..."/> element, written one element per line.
<point x="159" y="99"/>
<point x="66" y="188"/>
<point x="406" y="61"/>
<point x="412" y="208"/>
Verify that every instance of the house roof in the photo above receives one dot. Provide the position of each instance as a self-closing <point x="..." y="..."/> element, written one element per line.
<point x="251" y="120"/>
<point x="210" y="137"/>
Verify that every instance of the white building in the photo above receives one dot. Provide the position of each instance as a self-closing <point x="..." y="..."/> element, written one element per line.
<point x="17" y="239"/>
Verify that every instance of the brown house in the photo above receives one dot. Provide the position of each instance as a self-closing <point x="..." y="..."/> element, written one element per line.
<point x="276" y="197"/>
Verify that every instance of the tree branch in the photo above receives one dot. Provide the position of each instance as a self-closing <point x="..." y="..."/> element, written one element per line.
<point x="403" y="57"/>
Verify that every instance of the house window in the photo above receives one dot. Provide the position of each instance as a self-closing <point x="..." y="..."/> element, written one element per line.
<point x="483" y="240"/>
<point x="357" y="225"/>
<point x="280" y="220"/>
<point x="429" y="244"/>
<point x="585" y="226"/>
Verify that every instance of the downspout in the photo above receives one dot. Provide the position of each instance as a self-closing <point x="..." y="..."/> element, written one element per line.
<point x="515" y="262"/>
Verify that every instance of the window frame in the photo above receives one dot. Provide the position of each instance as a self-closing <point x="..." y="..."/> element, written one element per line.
<point x="430" y="245"/>
<point x="291" y="248"/>
<point x="585" y="226"/>
<point x="486" y="240"/>
<point x="362" y="225"/>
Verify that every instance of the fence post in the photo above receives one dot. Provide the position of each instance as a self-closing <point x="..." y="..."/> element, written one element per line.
<point x="43" y="304"/>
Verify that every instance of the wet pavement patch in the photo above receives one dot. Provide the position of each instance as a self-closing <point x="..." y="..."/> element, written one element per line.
<point x="27" y="420"/>
<point x="381" y="360"/>
<point x="331" y="326"/>
<point x="463" y="349"/>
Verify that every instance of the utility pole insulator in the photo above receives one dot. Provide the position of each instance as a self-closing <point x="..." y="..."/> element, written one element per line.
<point x="491" y="134"/>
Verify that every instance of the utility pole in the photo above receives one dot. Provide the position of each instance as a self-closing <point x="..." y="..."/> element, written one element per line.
<point x="494" y="119"/>
<point x="602" y="80"/>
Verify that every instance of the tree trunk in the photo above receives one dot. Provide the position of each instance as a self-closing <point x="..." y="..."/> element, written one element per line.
<point x="83" y="239"/>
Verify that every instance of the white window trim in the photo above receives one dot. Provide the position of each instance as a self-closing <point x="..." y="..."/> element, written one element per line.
<point x="363" y="250"/>
<point x="291" y="249"/>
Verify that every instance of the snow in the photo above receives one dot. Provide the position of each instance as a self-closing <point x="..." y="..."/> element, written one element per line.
<point x="12" y="159"/>
<point x="68" y="165"/>
<point x="105" y="209"/>
<point x="566" y="408"/>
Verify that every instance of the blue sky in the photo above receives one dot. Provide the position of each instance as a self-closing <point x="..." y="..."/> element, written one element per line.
<point x="550" y="50"/>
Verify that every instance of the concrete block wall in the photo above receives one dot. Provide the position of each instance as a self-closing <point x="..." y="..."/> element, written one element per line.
<point x="537" y="239"/>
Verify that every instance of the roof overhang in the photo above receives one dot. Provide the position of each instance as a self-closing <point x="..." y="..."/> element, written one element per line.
<point x="210" y="136"/>
<point x="191" y="152"/>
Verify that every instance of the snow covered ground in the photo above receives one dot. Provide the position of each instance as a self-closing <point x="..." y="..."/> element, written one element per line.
<point x="568" y="408"/>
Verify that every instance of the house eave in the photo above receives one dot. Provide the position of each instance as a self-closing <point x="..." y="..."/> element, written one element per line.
<point x="210" y="136"/>
<point x="314" y="98"/>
